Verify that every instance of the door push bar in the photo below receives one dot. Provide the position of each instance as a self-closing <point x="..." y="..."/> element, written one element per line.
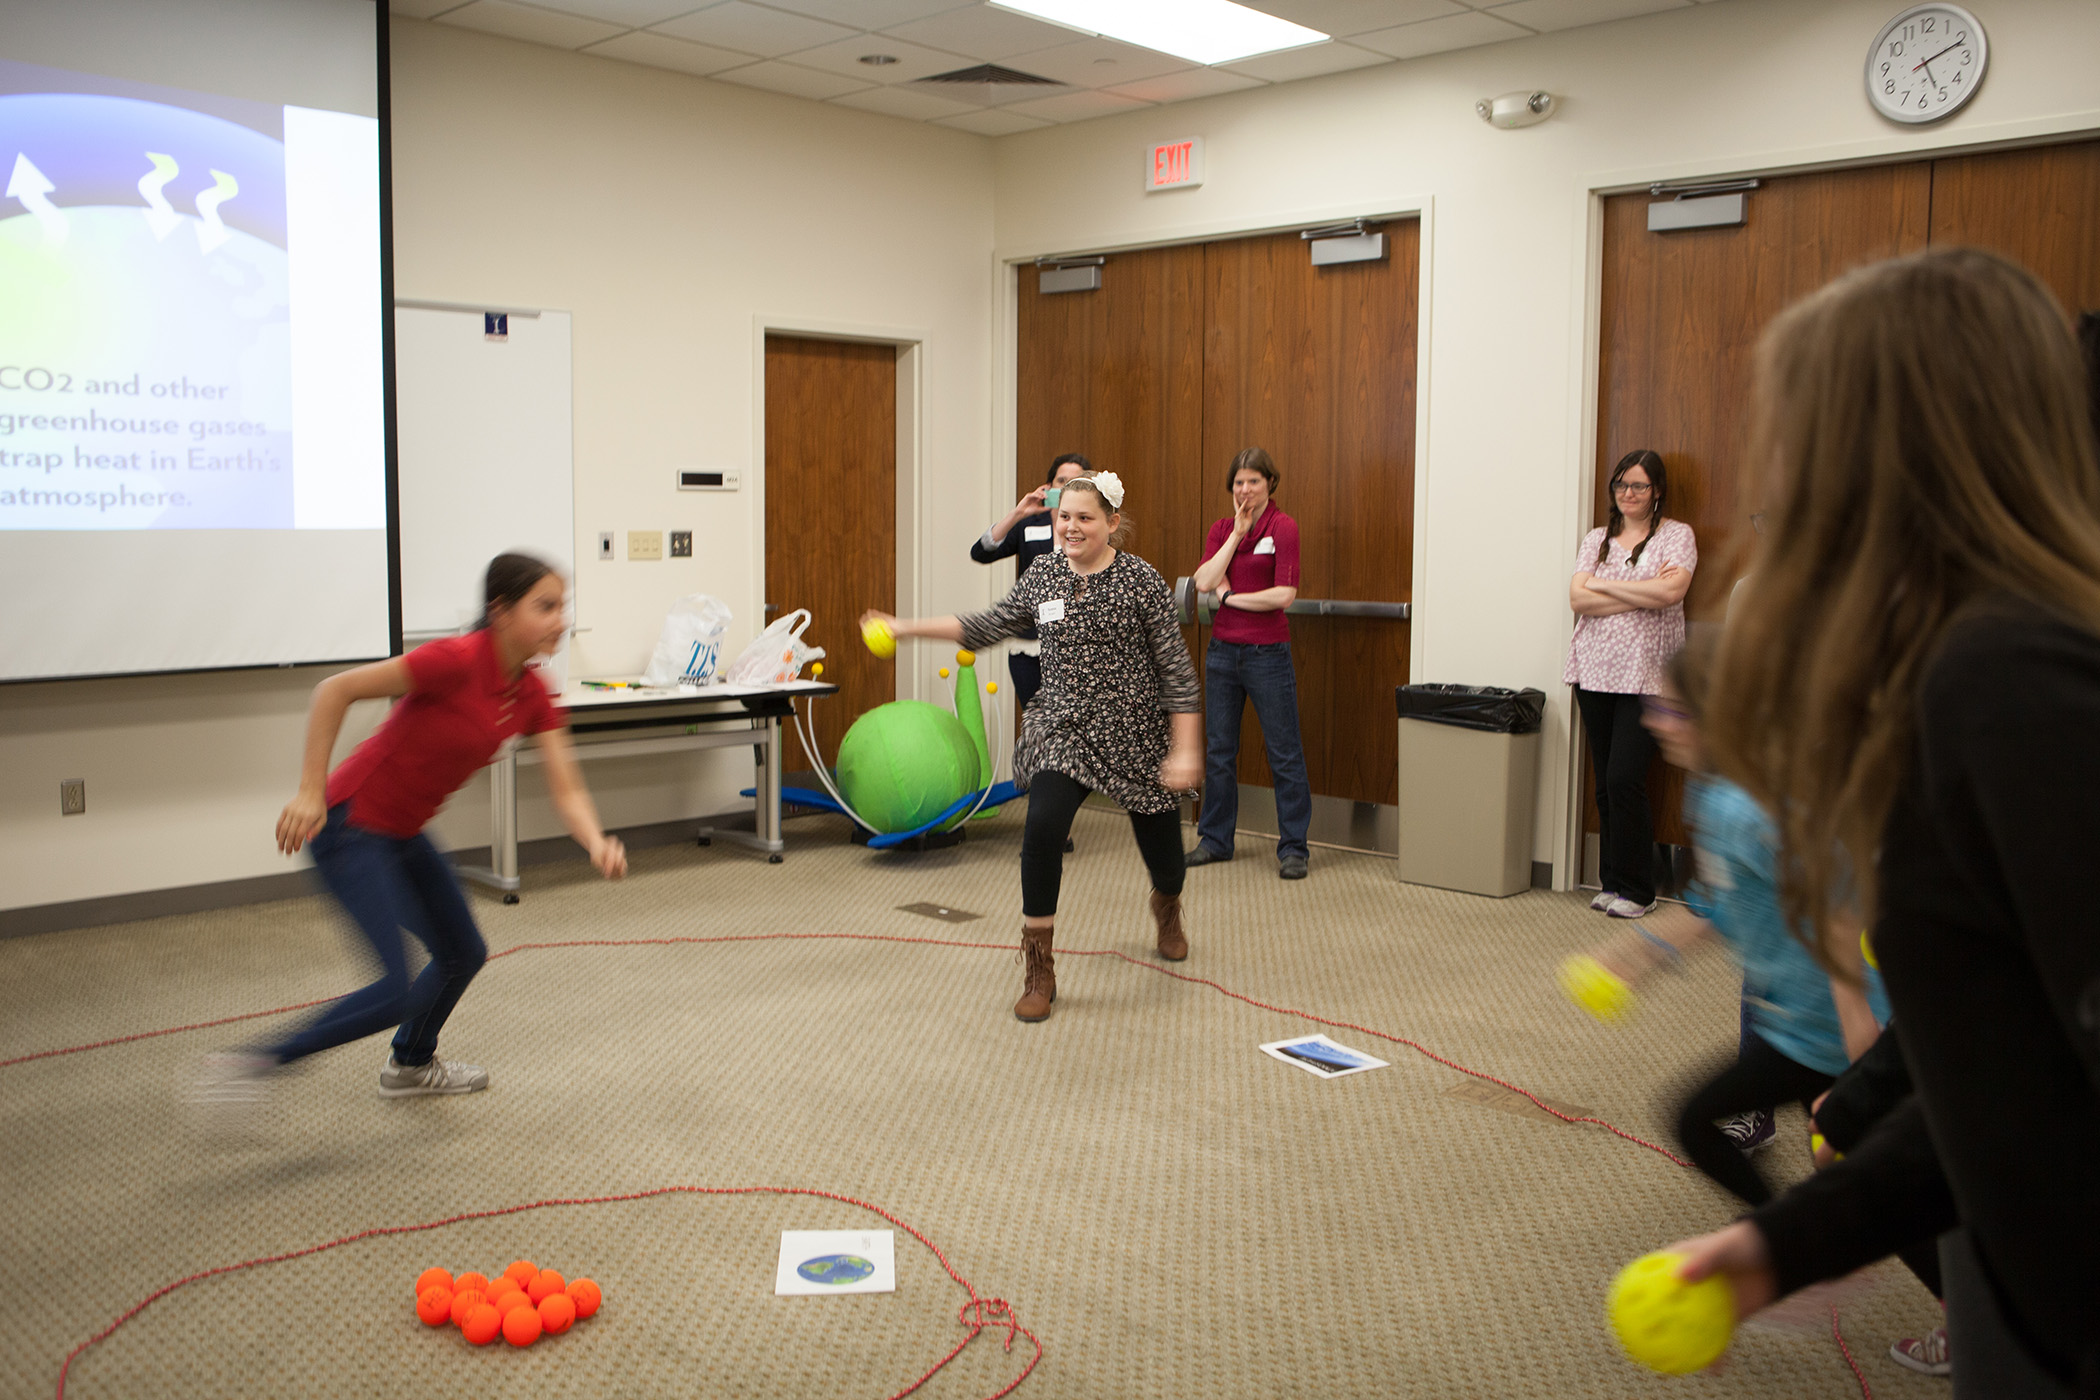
<point x="1193" y="607"/>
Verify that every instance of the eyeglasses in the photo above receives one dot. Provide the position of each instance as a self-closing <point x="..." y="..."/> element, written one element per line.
<point x="1631" y="488"/>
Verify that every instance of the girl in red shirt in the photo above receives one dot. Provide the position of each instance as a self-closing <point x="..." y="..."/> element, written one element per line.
<point x="461" y="699"/>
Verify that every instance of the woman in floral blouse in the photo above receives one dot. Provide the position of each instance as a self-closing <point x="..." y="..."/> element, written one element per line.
<point x="1119" y="713"/>
<point x="1631" y="576"/>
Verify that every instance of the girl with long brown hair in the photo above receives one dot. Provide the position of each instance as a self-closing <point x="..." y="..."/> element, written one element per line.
<point x="1915" y="698"/>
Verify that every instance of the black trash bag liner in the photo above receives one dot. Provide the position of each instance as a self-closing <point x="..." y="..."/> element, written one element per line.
<point x="1494" y="708"/>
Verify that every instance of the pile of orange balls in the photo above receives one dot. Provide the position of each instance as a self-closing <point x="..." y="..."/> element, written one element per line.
<point x="523" y="1302"/>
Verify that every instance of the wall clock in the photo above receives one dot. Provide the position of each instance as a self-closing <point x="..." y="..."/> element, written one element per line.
<point x="1926" y="63"/>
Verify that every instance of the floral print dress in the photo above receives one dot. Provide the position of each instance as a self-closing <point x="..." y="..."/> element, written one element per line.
<point x="1114" y="668"/>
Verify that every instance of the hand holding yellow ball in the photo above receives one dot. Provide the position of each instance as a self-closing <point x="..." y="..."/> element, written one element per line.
<point x="1666" y="1324"/>
<point x="880" y="640"/>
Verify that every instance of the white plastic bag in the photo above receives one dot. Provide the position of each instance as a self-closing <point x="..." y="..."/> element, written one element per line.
<point x="690" y="647"/>
<point x="776" y="655"/>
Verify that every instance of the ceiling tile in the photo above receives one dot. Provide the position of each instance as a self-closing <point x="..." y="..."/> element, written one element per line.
<point x="983" y="33"/>
<point x="662" y="51"/>
<point x="796" y="82"/>
<point x="913" y="62"/>
<point x="753" y="29"/>
<point x="896" y="102"/>
<point x="997" y="123"/>
<point x="1180" y="87"/>
<point x="423" y="9"/>
<point x="527" y="22"/>
<point x="1547" y="15"/>
<point x="869" y="14"/>
<point x="1441" y="35"/>
<point x="629" y="14"/>
<point x="1094" y="63"/>
<point x="1075" y="106"/>
<point x="1341" y="18"/>
<point x="1308" y="62"/>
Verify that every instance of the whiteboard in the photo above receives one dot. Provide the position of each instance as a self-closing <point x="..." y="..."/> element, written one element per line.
<point x="486" y="454"/>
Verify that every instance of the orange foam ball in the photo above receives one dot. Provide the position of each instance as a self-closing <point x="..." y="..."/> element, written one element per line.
<point x="557" y="1311"/>
<point x="586" y="1296"/>
<point x="464" y="1302"/>
<point x="478" y="1282"/>
<point x="544" y="1282"/>
<point x="521" y="1271"/>
<point x="430" y="1278"/>
<point x="435" y="1305"/>
<point x="521" y="1326"/>
<point x="481" y="1324"/>
<point x="504" y="1283"/>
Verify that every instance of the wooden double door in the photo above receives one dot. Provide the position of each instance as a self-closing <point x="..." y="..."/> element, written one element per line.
<point x="1682" y="312"/>
<point x="1185" y="355"/>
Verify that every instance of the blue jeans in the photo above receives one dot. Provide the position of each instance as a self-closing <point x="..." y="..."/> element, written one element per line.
<point x="387" y="884"/>
<point x="1233" y="674"/>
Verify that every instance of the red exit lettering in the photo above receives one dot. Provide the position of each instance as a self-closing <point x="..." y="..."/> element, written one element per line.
<point x="1170" y="164"/>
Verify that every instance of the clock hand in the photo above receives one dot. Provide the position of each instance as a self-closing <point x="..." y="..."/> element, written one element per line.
<point x="1949" y="49"/>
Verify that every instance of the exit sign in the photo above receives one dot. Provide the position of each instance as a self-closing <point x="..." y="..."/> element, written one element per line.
<point x="1174" y="165"/>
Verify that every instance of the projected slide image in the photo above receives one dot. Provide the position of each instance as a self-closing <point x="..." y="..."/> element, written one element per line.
<point x="146" y="290"/>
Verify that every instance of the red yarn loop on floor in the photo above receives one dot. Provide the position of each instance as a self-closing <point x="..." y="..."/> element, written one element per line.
<point x="975" y="1315"/>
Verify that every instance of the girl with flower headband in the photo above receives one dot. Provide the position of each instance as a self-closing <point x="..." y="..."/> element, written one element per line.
<point x="1119" y="712"/>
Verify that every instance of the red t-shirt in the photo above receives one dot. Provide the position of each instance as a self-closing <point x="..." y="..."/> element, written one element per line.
<point x="457" y="713"/>
<point x="1267" y="558"/>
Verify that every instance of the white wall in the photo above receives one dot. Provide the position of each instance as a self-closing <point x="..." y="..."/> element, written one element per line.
<point x="673" y="217"/>
<point x="1508" y="348"/>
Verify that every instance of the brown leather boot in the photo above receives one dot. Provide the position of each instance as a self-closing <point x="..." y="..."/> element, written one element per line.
<point x="1039" y="988"/>
<point x="1166" y="912"/>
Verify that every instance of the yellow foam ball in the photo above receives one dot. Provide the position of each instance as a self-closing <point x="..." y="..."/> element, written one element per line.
<point x="880" y="640"/>
<point x="966" y="657"/>
<point x="816" y="668"/>
<point x="1817" y="1142"/>
<point x="1666" y="1324"/>
<point x="991" y="687"/>
<point x="944" y="673"/>
<point x="1596" y="989"/>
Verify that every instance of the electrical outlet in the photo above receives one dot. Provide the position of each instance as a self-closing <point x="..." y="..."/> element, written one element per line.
<point x="645" y="544"/>
<point x="681" y="544"/>
<point x="72" y="797"/>
<point x="605" y="544"/>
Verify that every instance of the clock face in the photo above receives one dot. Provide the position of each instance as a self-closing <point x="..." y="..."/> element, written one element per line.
<point x="1926" y="63"/>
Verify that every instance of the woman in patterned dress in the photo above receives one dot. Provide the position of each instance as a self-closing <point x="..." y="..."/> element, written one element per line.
<point x="1631" y="576"/>
<point x="1119" y="713"/>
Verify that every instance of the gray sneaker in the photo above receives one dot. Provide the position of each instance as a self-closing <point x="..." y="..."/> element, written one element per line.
<point x="1291" y="868"/>
<point x="1622" y="908"/>
<point x="399" y="1081"/>
<point x="1603" y="901"/>
<point x="1203" y="855"/>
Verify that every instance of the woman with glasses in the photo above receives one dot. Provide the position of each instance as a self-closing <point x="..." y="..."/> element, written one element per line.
<point x="1631" y="576"/>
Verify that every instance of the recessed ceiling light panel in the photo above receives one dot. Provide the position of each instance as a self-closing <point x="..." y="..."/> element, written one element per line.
<point x="1201" y="31"/>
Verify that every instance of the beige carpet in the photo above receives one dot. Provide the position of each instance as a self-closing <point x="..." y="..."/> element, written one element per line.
<point x="1172" y="1212"/>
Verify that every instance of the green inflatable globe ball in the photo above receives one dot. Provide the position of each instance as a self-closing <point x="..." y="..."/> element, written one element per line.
<point x="904" y="763"/>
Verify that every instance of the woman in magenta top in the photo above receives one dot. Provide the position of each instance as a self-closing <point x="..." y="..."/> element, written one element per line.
<point x="1250" y="561"/>
<point x="1631" y="576"/>
<point x="461" y="700"/>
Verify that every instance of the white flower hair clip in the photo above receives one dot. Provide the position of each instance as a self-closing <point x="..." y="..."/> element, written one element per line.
<point x="1111" y="487"/>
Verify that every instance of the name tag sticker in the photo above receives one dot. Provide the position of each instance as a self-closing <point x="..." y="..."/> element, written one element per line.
<point x="1035" y="532"/>
<point x="1265" y="545"/>
<point x="1050" y="611"/>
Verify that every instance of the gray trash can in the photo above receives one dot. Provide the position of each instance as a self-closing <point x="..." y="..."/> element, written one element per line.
<point x="1469" y="761"/>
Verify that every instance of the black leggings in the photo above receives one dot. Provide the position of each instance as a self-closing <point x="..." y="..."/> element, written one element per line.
<point x="1053" y="800"/>
<point x="1621" y="748"/>
<point x="1761" y="1078"/>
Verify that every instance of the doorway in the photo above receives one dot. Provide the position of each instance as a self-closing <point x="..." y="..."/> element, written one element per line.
<point x="831" y="514"/>
<point x="1681" y="312"/>
<point x="1182" y="356"/>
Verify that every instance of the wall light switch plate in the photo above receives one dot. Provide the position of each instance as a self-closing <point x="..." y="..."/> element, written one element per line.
<point x="605" y="544"/>
<point x="681" y="544"/>
<point x="645" y="544"/>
